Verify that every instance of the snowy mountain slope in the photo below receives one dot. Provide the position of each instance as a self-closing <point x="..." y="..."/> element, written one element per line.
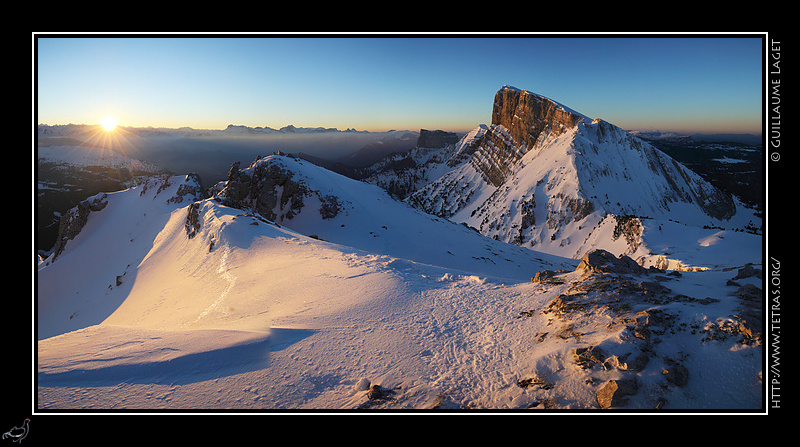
<point x="249" y="314"/>
<point x="559" y="182"/>
<point x="94" y="263"/>
<point x="106" y="256"/>
<point x="242" y="288"/>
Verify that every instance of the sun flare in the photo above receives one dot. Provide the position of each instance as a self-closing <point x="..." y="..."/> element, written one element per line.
<point x="109" y="123"/>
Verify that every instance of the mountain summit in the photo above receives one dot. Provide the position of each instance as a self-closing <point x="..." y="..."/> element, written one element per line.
<point x="549" y="178"/>
<point x="527" y="115"/>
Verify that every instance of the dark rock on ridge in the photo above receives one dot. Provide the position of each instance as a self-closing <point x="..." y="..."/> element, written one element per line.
<point x="73" y="222"/>
<point x="192" y="223"/>
<point x="75" y="219"/>
<point x="273" y="191"/>
<point x="264" y="188"/>
<point x="192" y="188"/>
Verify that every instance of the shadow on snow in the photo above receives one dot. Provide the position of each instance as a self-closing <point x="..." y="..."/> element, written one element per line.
<point x="185" y="369"/>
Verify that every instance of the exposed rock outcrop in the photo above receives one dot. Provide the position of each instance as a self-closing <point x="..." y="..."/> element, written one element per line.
<point x="615" y="393"/>
<point x="266" y="188"/>
<point x="74" y="220"/>
<point x="191" y="188"/>
<point x="520" y="121"/>
<point x="639" y="308"/>
<point x="602" y="261"/>
<point x="273" y="191"/>
<point x="496" y="154"/>
<point x="192" y="223"/>
<point x="747" y="271"/>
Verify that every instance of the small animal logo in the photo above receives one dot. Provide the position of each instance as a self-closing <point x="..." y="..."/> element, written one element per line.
<point x="17" y="434"/>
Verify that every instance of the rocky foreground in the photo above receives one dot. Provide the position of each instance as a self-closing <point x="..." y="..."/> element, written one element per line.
<point x="650" y="319"/>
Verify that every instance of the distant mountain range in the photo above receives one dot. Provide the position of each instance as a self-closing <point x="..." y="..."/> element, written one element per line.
<point x="746" y="138"/>
<point x="46" y="130"/>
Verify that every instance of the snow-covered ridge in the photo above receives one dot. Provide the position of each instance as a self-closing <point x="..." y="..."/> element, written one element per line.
<point x="401" y="174"/>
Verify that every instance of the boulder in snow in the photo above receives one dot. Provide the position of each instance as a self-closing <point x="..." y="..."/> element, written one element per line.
<point x="616" y="392"/>
<point x="602" y="261"/>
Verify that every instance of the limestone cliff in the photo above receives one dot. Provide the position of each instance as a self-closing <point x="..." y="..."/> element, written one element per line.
<point x="521" y="121"/>
<point x="529" y="117"/>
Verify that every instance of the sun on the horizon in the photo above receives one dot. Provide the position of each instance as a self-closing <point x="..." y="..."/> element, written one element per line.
<point x="109" y="123"/>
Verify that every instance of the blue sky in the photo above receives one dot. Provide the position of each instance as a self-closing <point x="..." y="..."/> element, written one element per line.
<point x="398" y="82"/>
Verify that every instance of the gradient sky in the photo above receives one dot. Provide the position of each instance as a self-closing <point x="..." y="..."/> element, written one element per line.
<point x="408" y="82"/>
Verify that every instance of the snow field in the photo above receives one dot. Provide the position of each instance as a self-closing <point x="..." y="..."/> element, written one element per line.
<point x="304" y="306"/>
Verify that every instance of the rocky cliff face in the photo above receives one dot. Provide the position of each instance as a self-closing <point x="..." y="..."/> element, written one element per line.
<point x="529" y="117"/>
<point x="521" y="121"/>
